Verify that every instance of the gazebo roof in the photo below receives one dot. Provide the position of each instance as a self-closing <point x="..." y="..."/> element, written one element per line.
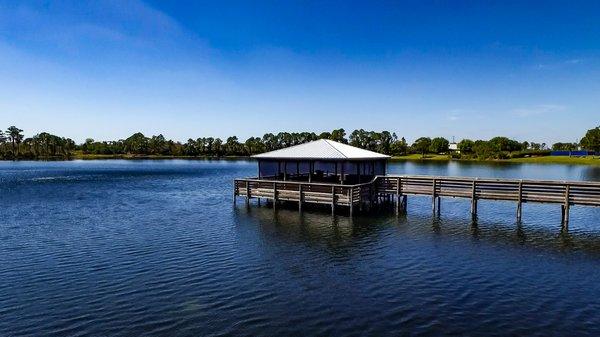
<point x="322" y="149"/>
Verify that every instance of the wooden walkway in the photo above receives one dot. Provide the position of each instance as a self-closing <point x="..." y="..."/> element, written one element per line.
<point x="398" y="187"/>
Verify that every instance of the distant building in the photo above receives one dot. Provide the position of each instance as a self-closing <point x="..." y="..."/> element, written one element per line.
<point x="453" y="147"/>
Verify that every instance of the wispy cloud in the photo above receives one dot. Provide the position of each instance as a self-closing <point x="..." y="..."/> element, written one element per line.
<point x="459" y="114"/>
<point x="537" y="110"/>
<point x="558" y="64"/>
<point x="72" y="26"/>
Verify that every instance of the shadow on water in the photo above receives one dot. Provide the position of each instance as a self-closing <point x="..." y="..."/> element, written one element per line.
<point x="591" y="173"/>
<point x="320" y="227"/>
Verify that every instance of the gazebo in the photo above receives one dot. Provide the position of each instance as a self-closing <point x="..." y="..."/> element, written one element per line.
<point x="321" y="161"/>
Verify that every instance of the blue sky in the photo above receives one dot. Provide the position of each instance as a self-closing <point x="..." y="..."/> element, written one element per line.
<point x="105" y="69"/>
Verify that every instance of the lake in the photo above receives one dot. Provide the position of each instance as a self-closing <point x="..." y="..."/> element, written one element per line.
<point x="156" y="248"/>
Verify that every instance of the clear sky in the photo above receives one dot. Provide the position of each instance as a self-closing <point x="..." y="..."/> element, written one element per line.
<point x="476" y="69"/>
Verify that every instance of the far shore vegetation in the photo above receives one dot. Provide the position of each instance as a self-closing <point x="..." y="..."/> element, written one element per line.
<point x="45" y="146"/>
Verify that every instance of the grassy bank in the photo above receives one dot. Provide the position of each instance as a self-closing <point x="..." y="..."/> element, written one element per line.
<point x="86" y="156"/>
<point x="558" y="160"/>
<point x="413" y="157"/>
<point x="437" y="157"/>
<point x="532" y="160"/>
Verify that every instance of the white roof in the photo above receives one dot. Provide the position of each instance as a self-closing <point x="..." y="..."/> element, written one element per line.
<point x="322" y="149"/>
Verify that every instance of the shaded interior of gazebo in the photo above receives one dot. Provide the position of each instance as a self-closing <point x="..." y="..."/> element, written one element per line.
<point x="326" y="171"/>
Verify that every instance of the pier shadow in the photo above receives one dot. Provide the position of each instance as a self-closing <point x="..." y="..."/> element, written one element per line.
<point x="340" y="233"/>
<point x="315" y="227"/>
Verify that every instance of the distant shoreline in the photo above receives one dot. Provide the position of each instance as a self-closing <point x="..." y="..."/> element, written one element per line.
<point x="564" y="160"/>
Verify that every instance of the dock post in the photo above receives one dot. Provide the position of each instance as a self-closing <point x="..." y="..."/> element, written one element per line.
<point x="474" y="199"/>
<point x="350" y="200"/>
<point x="565" y="217"/>
<point x="370" y="197"/>
<point x="520" y="201"/>
<point x="235" y="187"/>
<point x="439" y="205"/>
<point x="300" y="198"/>
<point x="247" y="193"/>
<point x="398" y="195"/>
<point x="404" y="204"/>
<point x="274" y="196"/>
<point x="332" y="200"/>
<point x="433" y="197"/>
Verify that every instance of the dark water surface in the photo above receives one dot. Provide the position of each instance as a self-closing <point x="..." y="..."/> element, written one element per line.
<point x="129" y="248"/>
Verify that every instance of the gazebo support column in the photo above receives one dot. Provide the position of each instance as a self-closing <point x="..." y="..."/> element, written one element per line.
<point x="278" y="169"/>
<point x="335" y="170"/>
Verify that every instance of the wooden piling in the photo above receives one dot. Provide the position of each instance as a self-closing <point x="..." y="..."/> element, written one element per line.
<point x="398" y="195"/>
<point x="351" y="200"/>
<point x="565" y="218"/>
<point x="275" y="196"/>
<point x="520" y="201"/>
<point x="235" y="188"/>
<point x="474" y="199"/>
<point x="332" y="200"/>
<point x="433" y="197"/>
<point x="247" y="193"/>
<point x="300" y="198"/>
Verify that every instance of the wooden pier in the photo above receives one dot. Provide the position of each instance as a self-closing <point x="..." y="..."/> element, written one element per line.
<point x="397" y="187"/>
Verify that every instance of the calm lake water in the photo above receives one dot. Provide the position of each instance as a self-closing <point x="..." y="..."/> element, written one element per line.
<point x="156" y="248"/>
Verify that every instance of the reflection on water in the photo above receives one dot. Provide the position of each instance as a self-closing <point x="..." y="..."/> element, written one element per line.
<point x="339" y="231"/>
<point x="156" y="248"/>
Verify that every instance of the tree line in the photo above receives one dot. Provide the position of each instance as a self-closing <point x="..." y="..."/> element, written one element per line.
<point x="14" y="145"/>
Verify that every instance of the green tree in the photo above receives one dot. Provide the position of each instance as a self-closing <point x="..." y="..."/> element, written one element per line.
<point x="3" y="140"/>
<point x="136" y="144"/>
<point x="270" y="142"/>
<point x="591" y="140"/>
<point x="325" y="135"/>
<point x="484" y="149"/>
<point x="254" y="145"/>
<point x="466" y="146"/>
<point x="439" y="145"/>
<point x="158" y="145"/>
<point x="421" y="145"/>
<point x="399" y="147"/>
<point x="233" y="146"/>
<point x="564" y="146"/>
<point x="384" y="140"/>
<point x="339" y="135"/>
<point x="16" y="137"/>
<point x="505" y="144"/>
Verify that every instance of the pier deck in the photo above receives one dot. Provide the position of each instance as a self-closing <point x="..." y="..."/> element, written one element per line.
<point x="398" y="187"/>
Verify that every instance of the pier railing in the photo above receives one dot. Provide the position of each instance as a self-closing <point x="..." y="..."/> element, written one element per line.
<point x="565" y="193"/>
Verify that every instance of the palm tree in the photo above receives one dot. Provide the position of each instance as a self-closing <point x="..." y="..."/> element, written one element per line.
<point x="15" y="136"/>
